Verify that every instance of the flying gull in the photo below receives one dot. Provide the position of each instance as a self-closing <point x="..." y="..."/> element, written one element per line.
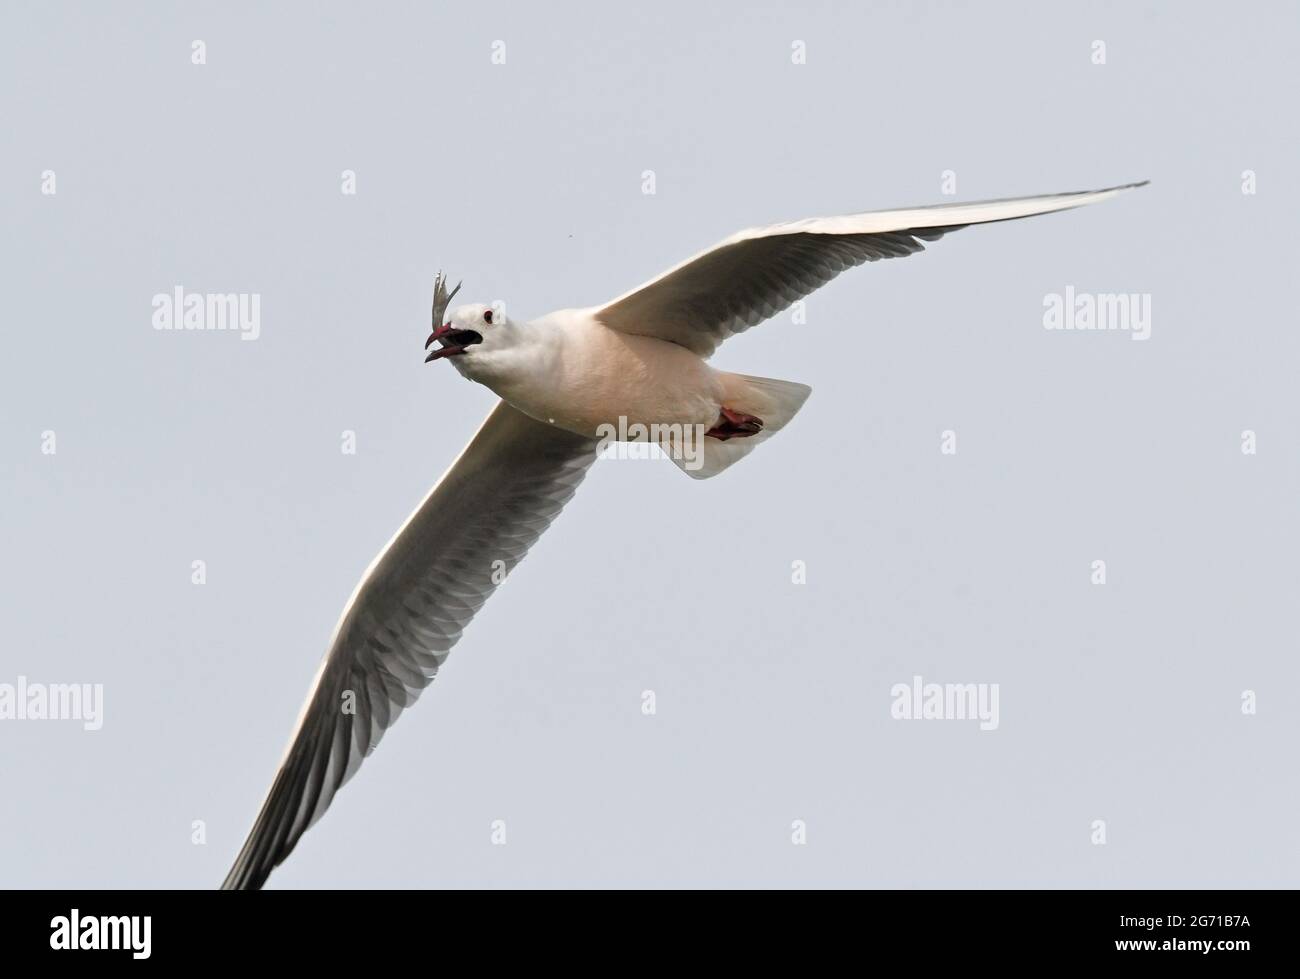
<point x="635" y="366"/>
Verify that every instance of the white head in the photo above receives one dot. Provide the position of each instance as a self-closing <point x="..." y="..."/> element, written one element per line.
<point x="482" y="342"/>
<point x="474" y="331"/>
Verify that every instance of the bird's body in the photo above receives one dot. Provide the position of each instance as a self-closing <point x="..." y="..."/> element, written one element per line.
<point x="572" y="371"/>
<point x="566" y="380"/>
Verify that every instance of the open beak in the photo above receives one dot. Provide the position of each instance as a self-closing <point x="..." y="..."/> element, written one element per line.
<point x="453" y="342"/>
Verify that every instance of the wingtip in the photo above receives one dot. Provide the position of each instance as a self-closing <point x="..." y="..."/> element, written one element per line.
<point x="1105" y="193"/>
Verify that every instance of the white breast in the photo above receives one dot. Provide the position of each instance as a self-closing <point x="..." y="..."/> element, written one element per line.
<point x="592" y="376"/>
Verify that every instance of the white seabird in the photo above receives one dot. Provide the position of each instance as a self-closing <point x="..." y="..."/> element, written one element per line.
<point x="563" y="379"/>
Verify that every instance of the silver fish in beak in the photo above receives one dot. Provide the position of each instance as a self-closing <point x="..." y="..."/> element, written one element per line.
<point x="452" y="341"/>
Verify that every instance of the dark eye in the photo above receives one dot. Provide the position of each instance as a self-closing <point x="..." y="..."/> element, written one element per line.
<point x="487" y="316"/>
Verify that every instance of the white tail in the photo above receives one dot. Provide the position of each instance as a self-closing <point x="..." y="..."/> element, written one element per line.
<point x="775" y="402"/>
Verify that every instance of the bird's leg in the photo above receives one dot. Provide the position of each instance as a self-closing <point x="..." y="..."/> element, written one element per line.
<point x="735" y="425"/>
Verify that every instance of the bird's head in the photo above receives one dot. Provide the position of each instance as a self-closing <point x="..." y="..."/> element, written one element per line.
<point x="472" y="333"/>
<point x="468" y="326"/>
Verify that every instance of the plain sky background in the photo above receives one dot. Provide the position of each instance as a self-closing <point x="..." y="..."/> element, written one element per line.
<point x="1119" y="702"/>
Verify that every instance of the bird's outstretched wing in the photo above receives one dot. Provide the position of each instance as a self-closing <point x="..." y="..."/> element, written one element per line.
<point x="755" y="274"/>
<point x="408" y="611"/>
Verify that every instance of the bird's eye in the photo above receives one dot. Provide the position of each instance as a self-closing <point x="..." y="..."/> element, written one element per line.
<point x="487" y="316"/>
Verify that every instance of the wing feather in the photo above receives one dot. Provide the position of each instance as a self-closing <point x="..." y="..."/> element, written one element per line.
<point x="409" y="610"/>
<point x="755" y="274"/>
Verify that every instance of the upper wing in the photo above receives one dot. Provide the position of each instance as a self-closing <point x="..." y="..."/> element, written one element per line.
<point x="409" y="610"/>
<point x="755" y="274"/>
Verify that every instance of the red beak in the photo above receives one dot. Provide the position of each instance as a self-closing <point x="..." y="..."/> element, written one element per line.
<point x="453" y="341"/>
<point x="440" y="332"/>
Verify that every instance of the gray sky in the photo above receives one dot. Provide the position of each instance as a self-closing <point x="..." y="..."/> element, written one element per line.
<point x="1119" y="702"/>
